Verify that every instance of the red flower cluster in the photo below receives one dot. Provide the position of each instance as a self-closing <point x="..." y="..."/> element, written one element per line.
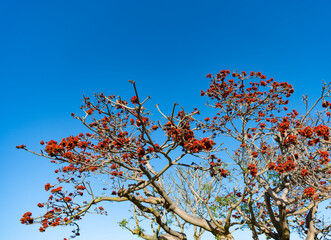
<point x="120" y="142"/>
<point x="27" y="218"/>
<point x="70" y="142"/>
<point x="324" y="156"/>
<point x="48" y="186"/>
<point x="326" y="104"/>
<point x="304" y="172"/>
<point x="282" y="167"/>
<point x="55" y="190"/>
<point x="252" y="169"/>
<point x="68" y="155"/>
<point x="115" y="173"/>
<point x="140" y="152"/>
<point x="289" y="165"/>
<point x="89" y="112"/>
<point x="284" y="125"/>
<point x="207" y="144"/>
<point x="53" y="149"/>
<point x="291" y="139"/>
<point x="102" y="145"/>
<point x="21" y="146"/>
<point x="93" y="168"/>
<point x="272" y="166"/>
<point x="196" y="145"/>
<point x="47" y="219"/>
<point x="255" y="154"/>
<point x="67" y="199"/>
<point x="322" y="131"/>
<point x="185" y="137"/>
<point x="312" y="142"/>
<point x="83" y="144"/>
<point x="69" y="168"/>
<point x="114" y="166"/>
<point x="265" y="150"/>
<point x="223" y="172"/>
<point x="182" y="134"/>
<point x="232" y="96"/>
<point x="306" y="132"/>
<point x="310" y="192"/>
<point x="154" y="127"/>
<point x="134" y="99"/>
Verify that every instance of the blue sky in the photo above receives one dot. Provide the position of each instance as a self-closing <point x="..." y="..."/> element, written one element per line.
<point x="53" y="52"/>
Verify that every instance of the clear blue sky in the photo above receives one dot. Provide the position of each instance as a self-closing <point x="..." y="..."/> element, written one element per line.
<point x="53" y="52"/>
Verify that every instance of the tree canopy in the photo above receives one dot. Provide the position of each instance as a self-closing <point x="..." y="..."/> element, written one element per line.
<point x="250" y="162"/>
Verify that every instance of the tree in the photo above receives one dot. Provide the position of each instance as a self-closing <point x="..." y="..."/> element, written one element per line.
<point x="256" y="165"/>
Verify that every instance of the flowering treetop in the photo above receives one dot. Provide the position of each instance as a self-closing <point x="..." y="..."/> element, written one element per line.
<point x="274" y="175"/>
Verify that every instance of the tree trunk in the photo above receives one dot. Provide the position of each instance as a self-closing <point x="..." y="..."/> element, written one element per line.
<point x="285" y="233"/>
<point x="310" y="223"/>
